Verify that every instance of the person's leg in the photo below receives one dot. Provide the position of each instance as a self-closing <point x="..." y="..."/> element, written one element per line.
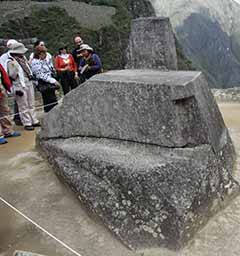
<point x="49" y="100"/>
<point x="5" y="122"/>
<point x="22" y="102"/>
<point x="72" y="81"/>
<point x="2" y="139"/>
<point x="16" y="117"/>
<point x="31" y="104"/>
<point x="64" y="82"/>
<point x="2" y="117"/>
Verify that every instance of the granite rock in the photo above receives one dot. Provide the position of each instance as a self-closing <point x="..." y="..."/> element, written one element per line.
<point x="152" y="44"/>
<point x="171" y="109"/>
<point x="148" y="195"/>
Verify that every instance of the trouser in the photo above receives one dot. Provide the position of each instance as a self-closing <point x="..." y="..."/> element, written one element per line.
<point x="67" y="81"/>
<point x="26" y="105"/>
<point x="16" y="117"/>
<point x="6" y="126"/>
<point x="49" y="99"/>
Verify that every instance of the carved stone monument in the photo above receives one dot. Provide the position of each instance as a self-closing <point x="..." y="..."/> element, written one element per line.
<point x="147" y="151"/>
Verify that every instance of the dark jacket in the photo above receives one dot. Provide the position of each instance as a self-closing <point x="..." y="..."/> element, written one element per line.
<point x="76" y="57"/>
<point x="94" y="66"/>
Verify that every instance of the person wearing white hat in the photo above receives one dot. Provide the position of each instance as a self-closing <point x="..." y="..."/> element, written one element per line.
<point x="90" y="63"/>
<point x="5" y="56"/>
<point x="3" y="61"/>
<point x="20" y="73"/>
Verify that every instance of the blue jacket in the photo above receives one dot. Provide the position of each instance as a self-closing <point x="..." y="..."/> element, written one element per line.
<point x="94" y="66"/>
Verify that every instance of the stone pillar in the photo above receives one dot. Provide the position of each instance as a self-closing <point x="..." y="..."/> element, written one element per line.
<point x="152" y="44"/>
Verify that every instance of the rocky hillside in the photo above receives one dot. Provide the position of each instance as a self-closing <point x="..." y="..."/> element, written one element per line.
<point x="209" y="32"/>
<point x="104" y="24"/>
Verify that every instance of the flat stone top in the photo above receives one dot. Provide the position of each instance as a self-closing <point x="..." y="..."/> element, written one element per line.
<point x="170" y="78"/>
<point x="140" y="157"/>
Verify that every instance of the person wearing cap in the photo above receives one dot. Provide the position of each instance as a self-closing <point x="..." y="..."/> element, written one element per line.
<point x="67" y="69"/>
<point x="3" y="61"/>
<point x="20" y="73"/>
<point x="4" y="57"/>
<point x="90" y="63"/>
<point x="75" y="53"/>
<point x="44" y="72"/>
<point x="6" y="126"/>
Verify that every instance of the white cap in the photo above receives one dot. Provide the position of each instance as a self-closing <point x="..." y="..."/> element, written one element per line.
<point x="85" y="47"/>
<point x="10" y="43"/>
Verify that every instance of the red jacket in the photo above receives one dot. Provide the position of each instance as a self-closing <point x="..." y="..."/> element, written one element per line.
<point x="61" y="63"/>
<point x="5" y="79"/>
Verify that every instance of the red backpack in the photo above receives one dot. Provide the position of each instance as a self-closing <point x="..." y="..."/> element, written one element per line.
<point x="5" y="79"/>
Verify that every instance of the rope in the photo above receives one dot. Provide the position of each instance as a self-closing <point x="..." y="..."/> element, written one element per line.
<point x="39" y="227"/>
<point x="39" y="107"/>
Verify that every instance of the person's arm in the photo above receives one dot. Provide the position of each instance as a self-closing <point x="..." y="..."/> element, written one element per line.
<point x="31" y="58"/>
<point x="57" y="64"/>
<point x="97" y="63"/>
<point x="5" y="79"/>
<point x="73" y="63"/>
<point x="38" y="72"/>
<point x="12" y="70"/>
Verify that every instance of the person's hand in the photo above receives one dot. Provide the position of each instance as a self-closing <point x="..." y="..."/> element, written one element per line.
<point x="76" y="77"/>
<point x="65" y="69"/>
<point x="57" y="84"/>
<point x="19" y="93"/>
<point x="1" y="94"/>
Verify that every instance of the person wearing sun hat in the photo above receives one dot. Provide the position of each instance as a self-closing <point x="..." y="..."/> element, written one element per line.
<point x="66" y="69"/>
<point x="20" y="73"/>
<point x="3" y="61"/>
<point x="5" y="56"/>
<point x="90" y="63"/>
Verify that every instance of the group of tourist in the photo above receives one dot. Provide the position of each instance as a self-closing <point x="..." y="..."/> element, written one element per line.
<point x="20" y="77"/>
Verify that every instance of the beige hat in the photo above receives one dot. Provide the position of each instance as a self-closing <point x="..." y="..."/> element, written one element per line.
<point x="10" y="43"/>
<point x="18" y="48"/>
<point x="85" y="47"/>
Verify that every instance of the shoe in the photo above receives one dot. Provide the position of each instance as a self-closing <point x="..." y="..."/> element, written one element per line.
<point x="13" y="134"/>
<point x="37" y="125"/>
<point x="29" y="128"/>
<point x="3" y="140"/>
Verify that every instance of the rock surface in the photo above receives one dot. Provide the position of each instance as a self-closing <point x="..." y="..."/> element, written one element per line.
<point x="146" y="151"/>
<point x="152" y="44"/>
<point x="146" y="106"/>
<point x="147" y="195"/>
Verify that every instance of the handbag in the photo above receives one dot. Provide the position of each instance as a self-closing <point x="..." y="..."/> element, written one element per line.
<point x="44" y="86"/>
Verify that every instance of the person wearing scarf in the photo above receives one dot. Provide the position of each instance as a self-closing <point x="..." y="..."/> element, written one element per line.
<point x="43" y="69"/>
<point x="21" y="75"/>
<point x="67" y="70"/>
